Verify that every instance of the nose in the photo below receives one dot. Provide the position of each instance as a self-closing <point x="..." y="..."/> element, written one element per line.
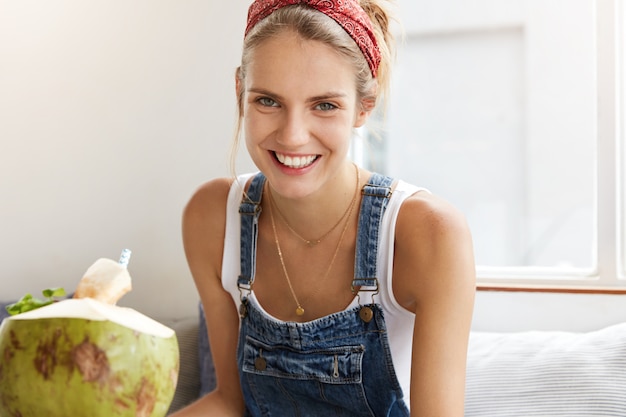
<point x="294" y="129"/>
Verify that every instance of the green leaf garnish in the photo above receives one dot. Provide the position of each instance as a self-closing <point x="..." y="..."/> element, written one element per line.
<point x="28" y="302"/>
<point x="53" y="292"/>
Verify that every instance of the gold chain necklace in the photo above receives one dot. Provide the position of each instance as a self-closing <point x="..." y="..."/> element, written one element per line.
<point x="314" y="242"/>
<point x="299" y="308"/>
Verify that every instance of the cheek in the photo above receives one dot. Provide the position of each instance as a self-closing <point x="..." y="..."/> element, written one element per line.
<point x="336" y="135"/>
<point x="256" y="131"/>
<point x="253" y="143"/>
<point x="251" y="125"/>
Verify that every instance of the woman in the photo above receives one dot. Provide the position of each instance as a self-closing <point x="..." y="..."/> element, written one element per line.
<point x="327" y="289"/>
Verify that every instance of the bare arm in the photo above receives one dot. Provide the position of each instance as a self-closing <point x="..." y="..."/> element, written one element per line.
<point x="434" y="276"/>
<point x="204" y="221"/>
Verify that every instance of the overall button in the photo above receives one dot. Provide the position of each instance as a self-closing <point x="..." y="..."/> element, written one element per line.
<point x="260" y="364"/>
<point x="366" y="314"/>
<point x="243" y="310"/>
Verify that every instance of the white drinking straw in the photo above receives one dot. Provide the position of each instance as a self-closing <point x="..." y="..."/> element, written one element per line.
<point x="125" y="257"/>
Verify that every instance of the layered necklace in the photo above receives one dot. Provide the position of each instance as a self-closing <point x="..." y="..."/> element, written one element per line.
<point x="346" y="215"/>
<point x="314" y="242"/>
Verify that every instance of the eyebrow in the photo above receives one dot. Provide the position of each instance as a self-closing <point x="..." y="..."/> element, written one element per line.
<point x="322" y="97"/>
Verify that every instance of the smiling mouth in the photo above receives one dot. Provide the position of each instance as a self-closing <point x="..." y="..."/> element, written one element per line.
<point x="295" y="161"/>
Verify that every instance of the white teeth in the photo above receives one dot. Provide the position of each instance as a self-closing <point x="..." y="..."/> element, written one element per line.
<point x="295" y="161"/>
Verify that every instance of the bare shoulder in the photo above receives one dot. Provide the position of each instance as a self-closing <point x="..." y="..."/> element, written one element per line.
<point x="425" y="216"/>
<point x="203" y="228"/>
<point x="208" y="199"/>
<point x="433" y="250"/>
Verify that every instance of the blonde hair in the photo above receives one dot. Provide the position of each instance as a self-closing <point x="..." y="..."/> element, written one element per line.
<point x="311" y="24"/>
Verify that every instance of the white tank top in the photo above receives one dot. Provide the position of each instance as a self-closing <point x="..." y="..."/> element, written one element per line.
<point x="399" y="321"/>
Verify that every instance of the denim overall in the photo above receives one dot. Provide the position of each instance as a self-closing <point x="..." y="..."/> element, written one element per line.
<point x="337" y="365"/>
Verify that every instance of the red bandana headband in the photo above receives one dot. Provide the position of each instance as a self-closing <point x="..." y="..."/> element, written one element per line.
<point x="348" y="13"/>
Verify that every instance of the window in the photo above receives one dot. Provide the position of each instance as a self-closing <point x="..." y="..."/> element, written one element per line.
<point x="510" y="109"/>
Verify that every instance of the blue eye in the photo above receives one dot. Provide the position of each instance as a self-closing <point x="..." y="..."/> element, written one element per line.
<point x="326" y="106"/>
<point x="266" y="101"/>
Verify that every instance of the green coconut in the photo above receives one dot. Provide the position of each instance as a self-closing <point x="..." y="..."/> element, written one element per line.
<point x="85" y="357"/>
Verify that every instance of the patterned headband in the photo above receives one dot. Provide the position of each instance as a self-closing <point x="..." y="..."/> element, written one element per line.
<point x="348" y="13"/>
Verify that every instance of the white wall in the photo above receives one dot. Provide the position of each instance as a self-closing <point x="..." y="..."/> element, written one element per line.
<point x="111" y="114"/>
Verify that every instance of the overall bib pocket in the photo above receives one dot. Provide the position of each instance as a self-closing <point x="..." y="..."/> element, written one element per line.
<point x="327" y="380"/>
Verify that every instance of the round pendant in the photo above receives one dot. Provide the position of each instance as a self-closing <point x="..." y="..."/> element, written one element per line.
<point x="260" y="364"/>
<point x="366" y="314"/>
<point x="299" y="311"/>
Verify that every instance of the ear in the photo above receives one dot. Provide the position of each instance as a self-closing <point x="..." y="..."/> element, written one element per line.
<point x="239" y="90"/>
<point x="238" y="84"/>
<point x="366" y="107"/>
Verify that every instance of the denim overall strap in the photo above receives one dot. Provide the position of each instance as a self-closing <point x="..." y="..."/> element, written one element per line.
<point x="250" y="210"/>
<point x="376" y="194"/>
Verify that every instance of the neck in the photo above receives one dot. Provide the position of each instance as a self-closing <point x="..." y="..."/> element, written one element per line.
<point x="312" y="216"/>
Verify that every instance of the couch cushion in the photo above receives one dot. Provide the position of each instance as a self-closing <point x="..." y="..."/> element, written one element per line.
<point x="3" y="310"/>
<point x="188" y="386"/>
<point x="547" y="374"/>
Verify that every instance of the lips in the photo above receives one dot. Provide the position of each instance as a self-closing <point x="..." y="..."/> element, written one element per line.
<point x="295" y="161"/>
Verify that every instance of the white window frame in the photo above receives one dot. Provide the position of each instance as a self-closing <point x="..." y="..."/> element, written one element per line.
<point x="608" y="276"/>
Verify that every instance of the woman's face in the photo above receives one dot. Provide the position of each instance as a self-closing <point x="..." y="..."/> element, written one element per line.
<point x="299" y="109"/>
